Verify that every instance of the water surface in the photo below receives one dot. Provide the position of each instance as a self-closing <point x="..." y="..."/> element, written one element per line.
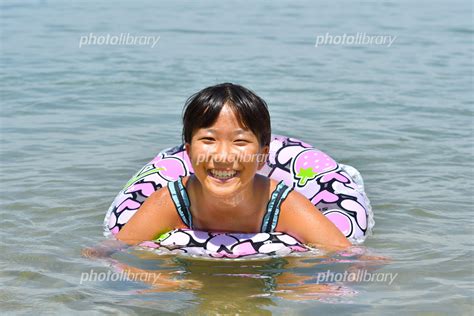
<point x="77" y="123"/>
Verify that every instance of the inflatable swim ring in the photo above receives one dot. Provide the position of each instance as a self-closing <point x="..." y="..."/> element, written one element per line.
<point x="336" y="190"/>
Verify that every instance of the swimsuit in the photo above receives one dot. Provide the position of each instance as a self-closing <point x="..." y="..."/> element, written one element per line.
<point x="270" y="219"/>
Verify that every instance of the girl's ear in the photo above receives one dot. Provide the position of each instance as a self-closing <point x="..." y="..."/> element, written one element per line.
<point x="263" y="156"/>
<point x="187" y="147"/>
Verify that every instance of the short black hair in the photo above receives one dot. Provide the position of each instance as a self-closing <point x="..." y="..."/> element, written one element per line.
<point x="202" y="109"/>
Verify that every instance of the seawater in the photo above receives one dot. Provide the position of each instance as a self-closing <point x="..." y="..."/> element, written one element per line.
<point x="78" y="122"/>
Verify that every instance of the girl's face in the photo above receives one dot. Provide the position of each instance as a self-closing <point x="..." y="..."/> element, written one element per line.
<point x="225" y="156"/>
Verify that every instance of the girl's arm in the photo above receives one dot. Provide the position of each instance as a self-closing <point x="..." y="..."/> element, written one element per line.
<point x="301" y="219"/>
<point x="156" y="216"/>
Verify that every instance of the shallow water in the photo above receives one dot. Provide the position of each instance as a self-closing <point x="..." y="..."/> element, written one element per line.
<point x="76" y="124"/>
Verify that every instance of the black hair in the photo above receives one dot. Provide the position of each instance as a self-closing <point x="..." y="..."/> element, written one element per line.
<point x="202" y="109"/>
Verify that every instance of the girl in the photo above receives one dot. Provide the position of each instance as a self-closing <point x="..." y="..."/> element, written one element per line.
<point x="226" y="131"/>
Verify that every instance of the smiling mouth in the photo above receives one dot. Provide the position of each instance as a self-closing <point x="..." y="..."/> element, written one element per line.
<point x="222" y="175"/>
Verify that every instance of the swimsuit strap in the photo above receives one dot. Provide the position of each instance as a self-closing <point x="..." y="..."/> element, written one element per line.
<point x="181" y="201"/>
<point x="270" y="219"/>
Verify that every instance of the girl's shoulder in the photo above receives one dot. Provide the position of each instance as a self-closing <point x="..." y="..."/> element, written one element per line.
<point x="155" y="216"/>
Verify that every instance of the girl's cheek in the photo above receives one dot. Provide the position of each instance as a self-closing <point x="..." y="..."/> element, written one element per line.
<point x="202" y="156"/>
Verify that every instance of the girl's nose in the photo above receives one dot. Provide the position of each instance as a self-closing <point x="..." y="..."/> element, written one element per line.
<point x="223" y="153"/>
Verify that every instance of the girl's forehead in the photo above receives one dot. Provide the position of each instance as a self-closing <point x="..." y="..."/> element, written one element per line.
<point x="228" y="113"/>
<point x="228" y="120"/>
<point x="215" y="130"/>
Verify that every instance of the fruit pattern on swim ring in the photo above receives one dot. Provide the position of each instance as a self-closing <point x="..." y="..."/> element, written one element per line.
<point x="336" y="190"/>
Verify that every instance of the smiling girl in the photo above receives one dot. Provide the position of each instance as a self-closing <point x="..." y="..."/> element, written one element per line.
<point x="226" y="130"/>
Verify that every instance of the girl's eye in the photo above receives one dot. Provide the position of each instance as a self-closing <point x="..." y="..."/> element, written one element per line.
<point x="241" y="141"/>
<point x="210" y="139"/>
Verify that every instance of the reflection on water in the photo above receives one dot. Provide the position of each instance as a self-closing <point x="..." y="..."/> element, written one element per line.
<point x="231" y="286"/>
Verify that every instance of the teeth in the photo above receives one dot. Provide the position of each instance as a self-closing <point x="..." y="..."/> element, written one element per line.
<point x="223" y="174"/>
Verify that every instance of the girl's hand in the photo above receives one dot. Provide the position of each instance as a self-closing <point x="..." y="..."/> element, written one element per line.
<point x="95" y="253"/>
<point x="104" y="249"/>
